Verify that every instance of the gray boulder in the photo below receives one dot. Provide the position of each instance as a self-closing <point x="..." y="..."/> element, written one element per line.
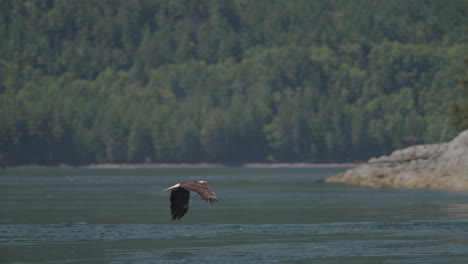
<point x="434" y="166"/>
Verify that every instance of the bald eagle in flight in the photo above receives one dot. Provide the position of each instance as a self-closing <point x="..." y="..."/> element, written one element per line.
<point x="180" y="195"/>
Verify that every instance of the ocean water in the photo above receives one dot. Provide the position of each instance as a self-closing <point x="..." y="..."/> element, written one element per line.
<point x="264" y="216"/>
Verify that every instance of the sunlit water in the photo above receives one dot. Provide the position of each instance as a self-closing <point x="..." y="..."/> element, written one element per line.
<point x="264" y="216"/>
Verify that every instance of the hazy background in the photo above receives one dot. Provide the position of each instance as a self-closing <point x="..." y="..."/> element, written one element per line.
<point x="225" y="81"/>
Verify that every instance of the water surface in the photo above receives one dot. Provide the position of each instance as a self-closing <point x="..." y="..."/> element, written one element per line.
<point x="264" y="216"/>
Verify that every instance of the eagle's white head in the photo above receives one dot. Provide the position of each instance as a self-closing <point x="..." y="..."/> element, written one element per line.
<point x="172" y="187"/>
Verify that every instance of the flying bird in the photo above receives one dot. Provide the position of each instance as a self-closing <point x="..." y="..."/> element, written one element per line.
<point x="180" y="195"/>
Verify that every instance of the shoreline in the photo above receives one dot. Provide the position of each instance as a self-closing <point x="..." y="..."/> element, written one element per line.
<point x="438" y="166"/>
<point x="186" y="165"/>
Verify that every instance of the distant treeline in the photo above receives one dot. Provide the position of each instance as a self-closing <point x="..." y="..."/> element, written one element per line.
<point x="225" y="81"/>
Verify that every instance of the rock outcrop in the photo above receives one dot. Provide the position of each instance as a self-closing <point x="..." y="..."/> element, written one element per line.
<point x="434" y="166"/>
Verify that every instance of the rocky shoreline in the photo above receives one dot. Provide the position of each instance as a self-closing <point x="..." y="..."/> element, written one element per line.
<point x="434" y="166"/>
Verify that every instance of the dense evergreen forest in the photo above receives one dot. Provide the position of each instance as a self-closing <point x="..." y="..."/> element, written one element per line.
<point x="225" y="81"/>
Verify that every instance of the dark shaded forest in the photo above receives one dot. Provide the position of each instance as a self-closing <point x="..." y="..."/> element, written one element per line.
<point x="114" y="81"/>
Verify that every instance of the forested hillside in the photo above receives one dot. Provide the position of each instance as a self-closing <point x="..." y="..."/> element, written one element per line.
<point x="225" y="81"/>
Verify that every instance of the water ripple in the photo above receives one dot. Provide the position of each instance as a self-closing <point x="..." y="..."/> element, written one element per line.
<point x="21" y="234"/>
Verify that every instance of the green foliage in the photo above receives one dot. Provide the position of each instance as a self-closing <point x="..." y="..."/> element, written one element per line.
<point x="460" y="109"/>
<point x="225" y="81"/>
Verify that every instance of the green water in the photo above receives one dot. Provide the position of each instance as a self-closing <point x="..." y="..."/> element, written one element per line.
<point x="264" y="216"/>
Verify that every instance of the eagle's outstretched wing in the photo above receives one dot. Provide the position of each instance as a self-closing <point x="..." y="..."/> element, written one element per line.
<point x="202" y="188"/>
